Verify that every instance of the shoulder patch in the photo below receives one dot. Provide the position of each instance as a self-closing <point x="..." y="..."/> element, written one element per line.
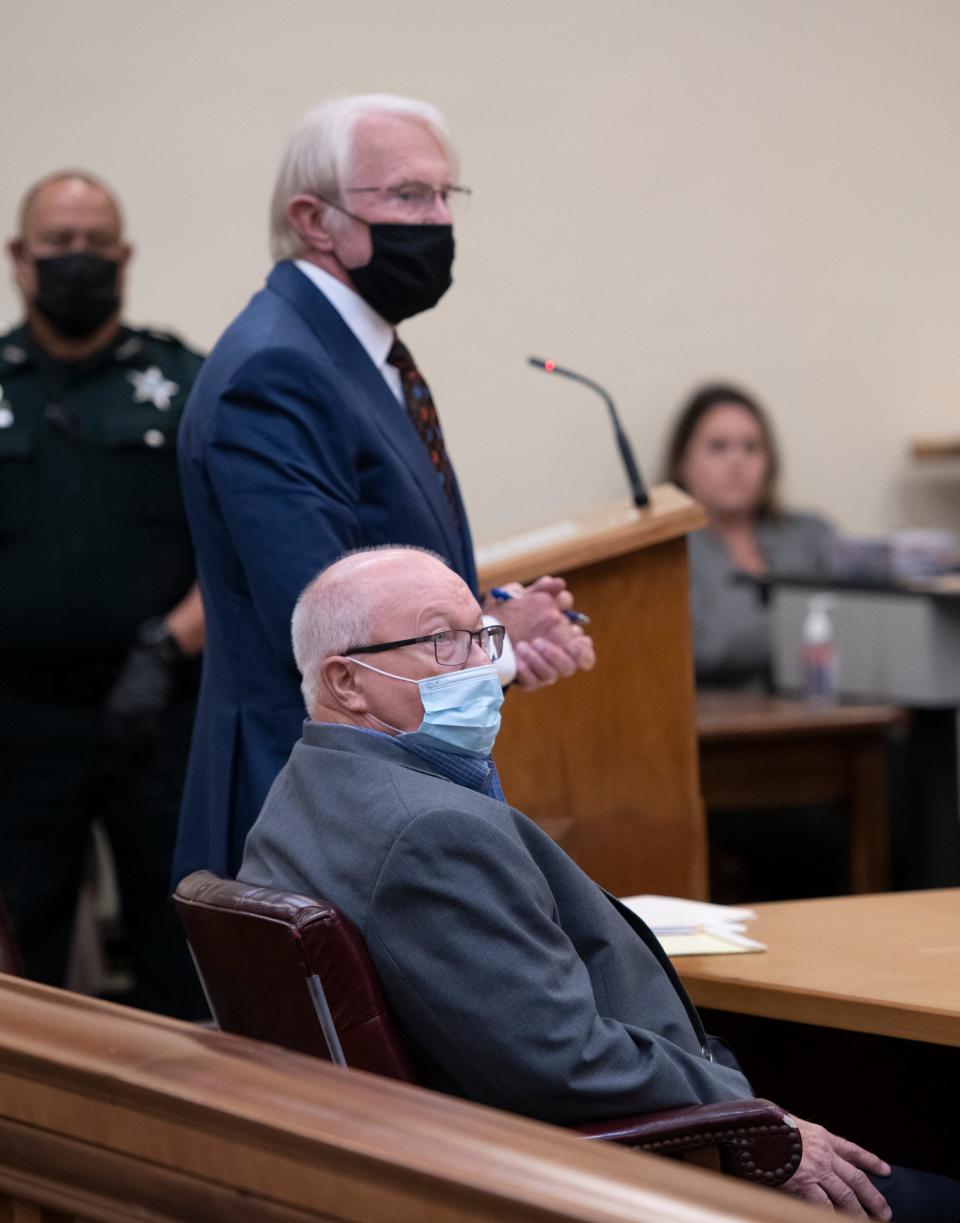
<point x="12" y="354"/>
<point x="152" y="337"/>
<point x="167" y="337"/>
<point x="129" y="348"/>
<point x="13" y="349"/>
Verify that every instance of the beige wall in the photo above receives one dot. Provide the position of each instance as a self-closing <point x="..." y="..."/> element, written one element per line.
<point x="666" y="191"/>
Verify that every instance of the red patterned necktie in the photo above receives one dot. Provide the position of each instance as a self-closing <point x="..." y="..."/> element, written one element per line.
<point x="423" y="415"/>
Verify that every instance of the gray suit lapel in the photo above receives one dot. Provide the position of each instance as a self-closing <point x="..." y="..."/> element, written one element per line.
<point x="641" y="928"/>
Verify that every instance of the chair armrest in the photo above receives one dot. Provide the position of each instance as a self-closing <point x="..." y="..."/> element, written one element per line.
<point x="757" y="1141"/>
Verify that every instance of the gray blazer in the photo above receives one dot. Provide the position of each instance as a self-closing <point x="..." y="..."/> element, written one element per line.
<point x="732" y="632"/>
<point x="517" y="980"/>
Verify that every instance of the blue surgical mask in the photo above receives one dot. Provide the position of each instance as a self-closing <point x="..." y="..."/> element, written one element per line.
<point x="461" y="710"/>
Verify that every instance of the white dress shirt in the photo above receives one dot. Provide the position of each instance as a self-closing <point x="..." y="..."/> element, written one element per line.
<point x="374" y="333"/>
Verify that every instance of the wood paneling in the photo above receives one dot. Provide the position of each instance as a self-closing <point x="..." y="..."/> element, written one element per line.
<point x="760" y="752"/>
<point x="606" y="761"/>
<point x="111" y="1115"/>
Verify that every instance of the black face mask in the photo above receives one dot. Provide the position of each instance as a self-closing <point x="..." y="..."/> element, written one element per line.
<point x="77" y="293"/>
<point x="409" y="270"/>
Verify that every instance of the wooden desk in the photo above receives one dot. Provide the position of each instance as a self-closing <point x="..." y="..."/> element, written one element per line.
<point x="851" y="1018"/>
<point x="759" y="751"/>
<point x="887" y="965"/>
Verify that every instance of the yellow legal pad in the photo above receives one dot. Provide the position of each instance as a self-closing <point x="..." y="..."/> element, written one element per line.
<point x="707" y="942"/>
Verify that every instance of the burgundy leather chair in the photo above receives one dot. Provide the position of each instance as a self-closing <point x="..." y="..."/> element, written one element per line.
<point x="9" y="953"/>
<point x="295" y="971"/>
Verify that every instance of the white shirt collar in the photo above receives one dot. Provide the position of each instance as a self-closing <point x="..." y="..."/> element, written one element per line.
<point x="374" y="333"/>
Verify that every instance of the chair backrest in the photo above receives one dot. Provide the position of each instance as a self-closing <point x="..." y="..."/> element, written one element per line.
<point x="289" y="969"/>
<point x="10" y="961"/>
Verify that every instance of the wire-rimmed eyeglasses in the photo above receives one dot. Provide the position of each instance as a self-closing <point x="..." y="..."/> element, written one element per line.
<point x="418" y="198"/>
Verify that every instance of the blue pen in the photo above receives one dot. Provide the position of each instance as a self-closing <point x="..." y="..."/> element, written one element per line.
<point x="576" y="617"/>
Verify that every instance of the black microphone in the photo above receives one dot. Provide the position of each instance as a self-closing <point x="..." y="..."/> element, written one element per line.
<point x="637" y="487"/>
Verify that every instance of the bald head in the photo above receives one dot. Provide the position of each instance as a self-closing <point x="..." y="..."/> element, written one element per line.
<point x="385" y="582"/>
<point x="72" y="189"/>
<point x="374" y="596"/>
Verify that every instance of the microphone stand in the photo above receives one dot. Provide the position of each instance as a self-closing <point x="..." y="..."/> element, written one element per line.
<point x="637" y="486"/>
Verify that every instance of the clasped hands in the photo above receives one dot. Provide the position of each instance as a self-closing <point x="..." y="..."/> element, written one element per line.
<point x="546" y="644"/>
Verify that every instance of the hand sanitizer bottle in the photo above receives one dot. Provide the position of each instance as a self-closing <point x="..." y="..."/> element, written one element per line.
<point x="819" y="652"/>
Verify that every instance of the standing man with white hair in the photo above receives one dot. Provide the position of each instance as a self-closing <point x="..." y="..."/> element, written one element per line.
<point x="311" y="432"/>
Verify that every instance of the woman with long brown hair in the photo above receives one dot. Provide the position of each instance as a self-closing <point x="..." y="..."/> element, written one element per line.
<point x="723" y="452"/>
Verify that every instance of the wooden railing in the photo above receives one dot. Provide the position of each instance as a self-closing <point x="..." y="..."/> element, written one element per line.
<point x="110" y="1114"/>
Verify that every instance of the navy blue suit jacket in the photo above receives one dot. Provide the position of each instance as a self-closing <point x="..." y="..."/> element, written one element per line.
<point x="292" y="451"/>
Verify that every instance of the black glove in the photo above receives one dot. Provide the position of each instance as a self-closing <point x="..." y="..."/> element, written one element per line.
<point x="144" y="687"/>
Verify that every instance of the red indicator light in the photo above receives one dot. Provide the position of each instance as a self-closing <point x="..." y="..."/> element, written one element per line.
<point x="549" y="366"/>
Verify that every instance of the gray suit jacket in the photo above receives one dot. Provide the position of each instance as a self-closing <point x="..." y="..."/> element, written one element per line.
<point x="518" y="981"/>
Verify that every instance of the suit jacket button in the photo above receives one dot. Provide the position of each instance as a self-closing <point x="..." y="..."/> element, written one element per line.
<point x="707" y="1053"/>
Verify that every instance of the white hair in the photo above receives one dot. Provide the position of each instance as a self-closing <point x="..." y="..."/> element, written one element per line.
<point x="317" y="159"/>
<point x="335" y="612"/>
<point x="322" y="626"/>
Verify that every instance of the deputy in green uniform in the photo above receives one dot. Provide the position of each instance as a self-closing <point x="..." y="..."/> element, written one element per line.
<point x="101" y="623"/>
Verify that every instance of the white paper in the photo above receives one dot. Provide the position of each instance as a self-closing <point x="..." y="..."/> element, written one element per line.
<point x="674" y="915"/>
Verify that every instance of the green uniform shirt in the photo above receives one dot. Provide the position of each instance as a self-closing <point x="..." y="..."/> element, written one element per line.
<point x="93" y="535"/>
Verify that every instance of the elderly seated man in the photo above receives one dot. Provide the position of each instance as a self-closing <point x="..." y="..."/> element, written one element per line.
<point x="519" y="982"/>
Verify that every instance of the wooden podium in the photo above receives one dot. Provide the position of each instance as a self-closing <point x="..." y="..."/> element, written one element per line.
<point x="606" y="762"/>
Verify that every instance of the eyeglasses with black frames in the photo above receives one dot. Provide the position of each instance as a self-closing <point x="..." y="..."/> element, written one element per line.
<point x="451" y="647"/>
